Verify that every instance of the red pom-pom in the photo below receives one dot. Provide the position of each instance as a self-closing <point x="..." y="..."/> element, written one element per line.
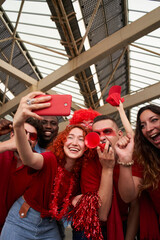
<point x="85" y="216"/>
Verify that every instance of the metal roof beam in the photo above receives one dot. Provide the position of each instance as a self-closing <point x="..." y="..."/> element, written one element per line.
<point x="11" y="106"/>
<point x="144" y="95"/>
<point x="17" y="74"/>
<point x="1" y="2"/>
<point x="109" y="45"/>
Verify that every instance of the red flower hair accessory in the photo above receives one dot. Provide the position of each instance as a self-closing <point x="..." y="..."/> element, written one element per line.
<point x="114" y="96"/>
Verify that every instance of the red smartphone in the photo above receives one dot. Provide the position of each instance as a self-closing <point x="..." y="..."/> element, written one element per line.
<point x="60" y="106"/>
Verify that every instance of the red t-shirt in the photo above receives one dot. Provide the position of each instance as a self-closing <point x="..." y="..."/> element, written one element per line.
<point x="90" y="181"/>
<point x="13" y="181"/>
<point x="38" y="195"/>
<point x="154" y="194"/>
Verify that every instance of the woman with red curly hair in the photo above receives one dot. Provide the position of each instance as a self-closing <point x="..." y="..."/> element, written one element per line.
<point x="55" y="177"/>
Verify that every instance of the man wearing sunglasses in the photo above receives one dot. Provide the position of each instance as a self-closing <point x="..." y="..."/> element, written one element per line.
<point x="14" y="175"/>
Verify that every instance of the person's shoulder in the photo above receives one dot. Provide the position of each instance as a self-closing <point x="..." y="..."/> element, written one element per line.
<point x="6" y="158"/>
<point x="7" y="154"/>
<point x="49" y="156"/>
<point x="50" y="162"/>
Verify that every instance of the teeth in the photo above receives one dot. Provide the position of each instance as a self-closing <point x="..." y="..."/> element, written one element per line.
<point x="73" y="149"/>
<point x="153" y="135"/>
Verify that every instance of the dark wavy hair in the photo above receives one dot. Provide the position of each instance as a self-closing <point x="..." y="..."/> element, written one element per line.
<point x="147" y="155"/>
<point x="33" y="122"/>
<point x="58" y="148"/>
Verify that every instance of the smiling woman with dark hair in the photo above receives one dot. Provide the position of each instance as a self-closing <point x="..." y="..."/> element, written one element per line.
<point x="147" y="144"/>
<point x="147" y="181"/>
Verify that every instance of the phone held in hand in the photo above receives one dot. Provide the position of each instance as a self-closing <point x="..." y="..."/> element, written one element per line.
<point x="60" y="106"/>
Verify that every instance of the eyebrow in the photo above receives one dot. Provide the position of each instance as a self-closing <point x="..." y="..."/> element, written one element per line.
<point x="150" y="118"/>
<point x="100" y="130"/>
<point x="71" y="134"/>
<point x="29" y="131"/>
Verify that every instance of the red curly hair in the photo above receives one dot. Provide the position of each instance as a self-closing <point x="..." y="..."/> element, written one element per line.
<point x="83" y="114"/>
<point x="58" y="148"/>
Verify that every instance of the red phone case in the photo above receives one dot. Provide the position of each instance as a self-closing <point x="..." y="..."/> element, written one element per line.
<point x="60" y="106"/>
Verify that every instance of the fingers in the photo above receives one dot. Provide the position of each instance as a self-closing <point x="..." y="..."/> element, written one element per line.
<point x="4" y="123"/>
<point x="76" y="199"/>
<point x="33" y="94"/>
<point x="107" y="146"/>
<point x="107" y="152"/>
<point x="124" y="141"/>
<point x="31" y="102"/>
<point x="32" y="98"/>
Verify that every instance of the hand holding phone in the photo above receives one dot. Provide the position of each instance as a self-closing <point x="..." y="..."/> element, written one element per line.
<point x="60" y="106"/>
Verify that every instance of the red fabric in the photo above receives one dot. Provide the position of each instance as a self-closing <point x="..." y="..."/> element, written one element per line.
<point x="114" y="223"/>
<point x="114" y="96"/>
<point x="155" y="196"/>
<point x="90" y="181"/>
<point x="5" y="171"/>
<point x="137" y="170"/>
<point x="83" y="115"/>
<point x="13" y="181"/>
<point x="38" y="196"/>
<point x="149" y="209"/>
<point x="149" y="228"/>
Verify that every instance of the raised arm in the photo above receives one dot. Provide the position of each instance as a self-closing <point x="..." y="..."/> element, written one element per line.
<point x="126" y="124"/>
<point x="28" y="157"/>
<point x="127" y="184"/>
<point x="105" y="191"/>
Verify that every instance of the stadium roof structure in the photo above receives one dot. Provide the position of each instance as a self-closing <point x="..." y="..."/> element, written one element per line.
<point x="81" y="48"/>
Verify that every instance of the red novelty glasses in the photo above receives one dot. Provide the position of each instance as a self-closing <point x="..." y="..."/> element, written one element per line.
<point x="32" y="136"/>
